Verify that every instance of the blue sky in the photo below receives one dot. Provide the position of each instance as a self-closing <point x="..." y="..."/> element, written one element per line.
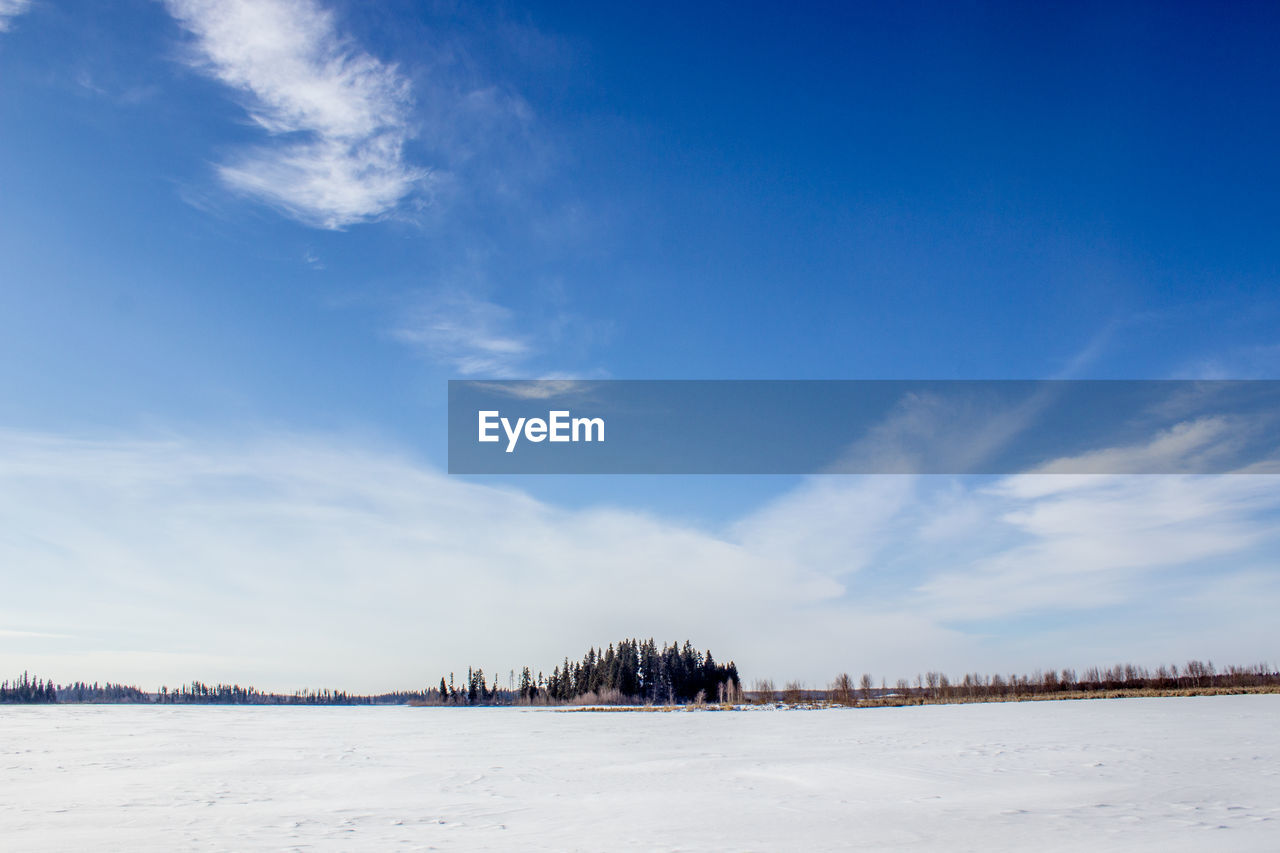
<point x="231" y="227"/>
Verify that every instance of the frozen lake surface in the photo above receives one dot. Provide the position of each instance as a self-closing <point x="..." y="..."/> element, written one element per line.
<point x="1133" y="774"/>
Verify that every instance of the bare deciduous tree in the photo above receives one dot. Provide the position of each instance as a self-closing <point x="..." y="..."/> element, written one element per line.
<point x="842" y="689"/>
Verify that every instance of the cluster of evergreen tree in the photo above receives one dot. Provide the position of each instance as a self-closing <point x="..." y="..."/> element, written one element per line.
<point x="28" y="690"/>
<point x="474" y="691"/>
<point x="639" y="671"/>
<point x="628" y="671"/>
<point x="102" y="693"/>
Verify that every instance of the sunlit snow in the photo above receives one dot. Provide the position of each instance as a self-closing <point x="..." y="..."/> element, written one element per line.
<point x="1135" y="774"/>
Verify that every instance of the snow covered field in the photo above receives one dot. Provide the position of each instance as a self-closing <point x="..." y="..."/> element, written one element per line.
<point x="1134" y="774"/>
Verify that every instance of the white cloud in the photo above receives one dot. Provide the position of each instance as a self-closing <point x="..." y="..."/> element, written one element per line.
<point x="294" y="560"/>
<point x="473" y="336"/>
<point x="927" y="431"/>
<point x="1089" y="541"/>
<point x="1203" y="444"/>
<point x="1248" y="361"/>
<point x="538" y="389"/>
<point x="10" y="9"/>
<point x="476" y="337"/>
<point x="339" y="115"/>
<point x="837" y="525"/>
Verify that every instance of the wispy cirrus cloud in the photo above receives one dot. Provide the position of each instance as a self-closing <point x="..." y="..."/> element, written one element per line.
<point x="10" y="9"/>
<point x="536" y="389"/>
<point x="474" y="336"/>
<point x="471" y="335"/>
<point x="1249" y="361"/>
<point x="340" y="117"/>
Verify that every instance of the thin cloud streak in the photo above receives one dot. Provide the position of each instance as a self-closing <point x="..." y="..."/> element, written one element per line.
<point x="10" y="9"/>
<point x="471" y="335"/>
<point x="340" y="116"/>
<point x="34" y="635"/>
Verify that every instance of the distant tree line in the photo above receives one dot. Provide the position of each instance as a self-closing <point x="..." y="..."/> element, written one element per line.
<point x="640" y="672"/>
<point x="29" y="690"/>
<point x="199" y="693"/>
<point x="938" y="687"/>
<point x="631" y="671"/>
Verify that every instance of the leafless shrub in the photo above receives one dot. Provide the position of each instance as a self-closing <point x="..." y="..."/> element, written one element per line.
<point x="611" y="696"/>
<point x="842" y="689"/>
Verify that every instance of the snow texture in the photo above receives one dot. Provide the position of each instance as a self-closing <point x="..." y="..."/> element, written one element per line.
<point x="1133" y="774"/>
